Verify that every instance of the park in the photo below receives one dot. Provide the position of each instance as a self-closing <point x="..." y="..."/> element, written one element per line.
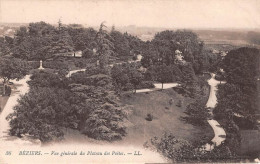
<point x="172" y="97"/>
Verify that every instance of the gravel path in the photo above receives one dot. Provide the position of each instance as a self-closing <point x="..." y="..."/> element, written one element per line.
<point x="220" y="134"/>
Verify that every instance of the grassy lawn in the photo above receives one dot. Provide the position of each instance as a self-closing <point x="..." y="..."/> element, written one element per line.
<point x="166" y="117"/>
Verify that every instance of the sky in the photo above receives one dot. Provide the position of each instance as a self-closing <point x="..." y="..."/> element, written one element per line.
<point x="149" y="13"/>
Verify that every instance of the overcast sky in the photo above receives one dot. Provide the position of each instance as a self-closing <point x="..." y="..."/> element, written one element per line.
<point x="154" y="13"/>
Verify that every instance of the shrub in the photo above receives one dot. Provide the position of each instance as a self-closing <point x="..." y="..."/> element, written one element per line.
<point x="87" y="53"/>
<point x="179" y="150"/>
<point x="179" y="103"/>
<point x="145" y="84"/>
<point x="149" y="117"/>
<point x="171" y="101"/>
<point x="196" y="113"/>
<point x="134" y="57"/>
<point x="43" y="112"/>
<point x="34" y="64"/>
<point x="43" y="78"/>
<point x="55" y="64"/>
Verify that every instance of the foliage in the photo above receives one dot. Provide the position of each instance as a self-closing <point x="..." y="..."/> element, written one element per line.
<point x="43" y="112"/>
<point x="12" y="68"/>
<point x="162" y="73"/>
<point x="196" y="113"/>
<point x="239" y="94"/>
<point x="104" y="46"/>
<point x="149" y="117"/>
<point x="104" y="118"/>
<point x="87" y="53"/>
<point x="43" y="78"/>
<point x="179" y="103"/>
<point x="34" y="64"/>
<point x="164" y="45"/>
<point x="242" y="66"/>
<point x="180" y="150"/>
<point x="145" y="84"/>
<point x="126" y="77"/>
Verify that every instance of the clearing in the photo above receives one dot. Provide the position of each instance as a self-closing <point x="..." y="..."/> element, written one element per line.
<point x="166" y="117"/>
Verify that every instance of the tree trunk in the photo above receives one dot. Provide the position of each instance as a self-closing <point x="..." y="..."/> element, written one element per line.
<point x="4" y="82"/>
<point x="3" y="88"/>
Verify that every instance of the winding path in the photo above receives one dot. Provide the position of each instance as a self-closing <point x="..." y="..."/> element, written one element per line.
<point x="220" y="134"/>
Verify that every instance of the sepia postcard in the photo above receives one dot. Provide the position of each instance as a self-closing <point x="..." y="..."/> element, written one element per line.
<point x="129" y="81"/>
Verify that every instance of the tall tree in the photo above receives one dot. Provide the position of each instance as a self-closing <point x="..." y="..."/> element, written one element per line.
<point x="12" y="68"/>
<point x="104" y="46"/>
<point x="162" y="73"/>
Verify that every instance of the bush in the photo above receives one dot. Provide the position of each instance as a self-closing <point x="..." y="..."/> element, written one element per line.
<point x="34" y="64"/>
<point x="179" y="150"/>
<point x="43" y="113"/>
<point x="179" y="103"/>
<point x="55" y="64"/>
<point x="145" y="84"/>
<point x="196" y="113"/>
<point x="149" y="117"/>
<point x="42" y="78"/>
<point x="87" y="53"/>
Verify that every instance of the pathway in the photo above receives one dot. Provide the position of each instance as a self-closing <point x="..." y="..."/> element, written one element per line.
<point x="220" y="134"/>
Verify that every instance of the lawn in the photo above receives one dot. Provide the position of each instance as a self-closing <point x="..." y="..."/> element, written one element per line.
<point x="166" y="117"/>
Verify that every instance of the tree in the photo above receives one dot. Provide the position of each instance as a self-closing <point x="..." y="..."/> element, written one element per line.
<point x="239" y="95"/>
<point x="104" y="46"/>
<point x="102" y="117"/>
<point x="189" y="80"/>
<point x="135" y="78"/>
<point x="242" y="66"/>
<point x="121" y="44"/>
<point x="162" y="48"/>
<point x="120" y="77"/>
<point x="33" y="42"/>
<point x="43" y="113"/>
<point x="12" y="68"/>
<point x="196" y="113"/>
<point x="162" y="73"/>
<point x="180" y="150"/>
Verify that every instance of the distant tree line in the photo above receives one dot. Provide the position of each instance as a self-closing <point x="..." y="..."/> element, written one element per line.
<point x="41" y="41"/>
